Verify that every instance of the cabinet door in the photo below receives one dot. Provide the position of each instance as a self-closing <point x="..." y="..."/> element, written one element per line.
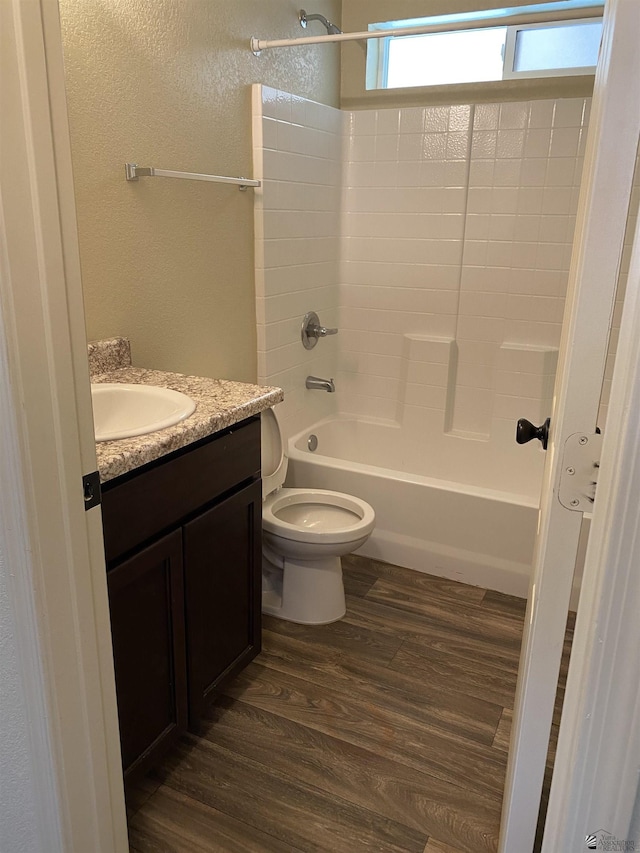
<point x="147" y="627"/>
<point x="223" y="553"/>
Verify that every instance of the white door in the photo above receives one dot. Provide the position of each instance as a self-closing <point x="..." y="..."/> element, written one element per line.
<point x="62" y="739"/>
<point x="602" y="216"/>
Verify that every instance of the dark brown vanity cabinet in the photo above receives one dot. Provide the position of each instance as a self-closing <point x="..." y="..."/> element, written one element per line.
<point x="182" y="541"/>
<point x="222" y="593"/>
<point x="147" y="618"/>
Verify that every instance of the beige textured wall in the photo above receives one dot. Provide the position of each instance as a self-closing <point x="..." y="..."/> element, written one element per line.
<point x="358" y="14"/>
<point x="165" y="83"/>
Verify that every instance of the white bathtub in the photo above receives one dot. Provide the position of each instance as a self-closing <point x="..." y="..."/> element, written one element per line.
<point x="436" y="524"/>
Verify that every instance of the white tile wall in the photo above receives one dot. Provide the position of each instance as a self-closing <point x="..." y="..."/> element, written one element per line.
<point x="438" y="239"/>
<point x="298" y="157"/>
<point x="465" y="235"/>
<point x="524" y="179"/>
<point x="403" y="229"/>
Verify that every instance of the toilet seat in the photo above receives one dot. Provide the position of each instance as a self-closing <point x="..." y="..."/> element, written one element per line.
<point x="317" y="516"/>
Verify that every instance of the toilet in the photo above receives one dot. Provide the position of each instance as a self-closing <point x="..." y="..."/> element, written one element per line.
<point x="304" y="534"/>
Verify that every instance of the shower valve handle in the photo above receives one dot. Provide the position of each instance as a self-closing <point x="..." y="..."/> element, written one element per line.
<point x="526" y="431"/>
<point x="312" y="330"/>
<point x="321" y="331"/>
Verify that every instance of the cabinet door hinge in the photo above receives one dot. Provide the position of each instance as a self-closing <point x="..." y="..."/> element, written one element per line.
<point x="91" y="490"/>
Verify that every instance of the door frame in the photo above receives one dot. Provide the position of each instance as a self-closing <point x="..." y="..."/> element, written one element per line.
<point x="600" y="231"/>
<point x="58" y="592"/>
<point x="53" y="560"/>
<point x="595" y="779"/>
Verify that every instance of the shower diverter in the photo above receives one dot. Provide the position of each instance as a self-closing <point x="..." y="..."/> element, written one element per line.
<point x="312" y="330"/>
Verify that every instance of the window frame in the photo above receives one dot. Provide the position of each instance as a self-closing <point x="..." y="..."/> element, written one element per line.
<point x="377" y="61"/>
<point x="508" y="71"/>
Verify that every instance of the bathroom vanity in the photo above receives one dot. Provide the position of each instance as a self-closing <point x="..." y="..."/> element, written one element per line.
<point x="182" y="532"/>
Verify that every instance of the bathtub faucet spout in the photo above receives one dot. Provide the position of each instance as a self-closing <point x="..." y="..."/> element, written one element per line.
<point x="314" y="383"/>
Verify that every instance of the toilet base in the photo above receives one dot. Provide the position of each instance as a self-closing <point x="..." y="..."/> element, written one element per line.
<point x="309" y="593"/>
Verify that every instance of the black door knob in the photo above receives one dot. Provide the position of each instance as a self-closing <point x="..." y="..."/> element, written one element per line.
<point x="526" y="431"/>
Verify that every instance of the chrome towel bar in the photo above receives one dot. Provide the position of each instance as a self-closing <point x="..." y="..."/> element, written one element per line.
<point x="133" y="172"/>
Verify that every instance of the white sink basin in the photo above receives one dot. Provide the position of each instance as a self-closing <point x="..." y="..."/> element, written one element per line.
<point x="123" y="411"/>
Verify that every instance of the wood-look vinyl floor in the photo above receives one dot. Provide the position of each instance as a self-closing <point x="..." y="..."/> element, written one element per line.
<point x="386" y="731"/>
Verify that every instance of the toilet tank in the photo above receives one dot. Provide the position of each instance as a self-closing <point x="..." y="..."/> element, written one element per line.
<point x="274" y="459"/>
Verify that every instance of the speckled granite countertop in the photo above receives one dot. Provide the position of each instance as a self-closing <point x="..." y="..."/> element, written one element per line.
<point x="220" y="403"/>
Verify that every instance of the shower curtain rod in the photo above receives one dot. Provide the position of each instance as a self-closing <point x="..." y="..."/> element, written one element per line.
<point x="258" y="45"/>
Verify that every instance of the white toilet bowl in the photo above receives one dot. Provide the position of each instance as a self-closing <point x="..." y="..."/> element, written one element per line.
<point x="305" y="532"/>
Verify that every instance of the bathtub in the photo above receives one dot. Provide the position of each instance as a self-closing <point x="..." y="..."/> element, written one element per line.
<point x="450" y="526"/>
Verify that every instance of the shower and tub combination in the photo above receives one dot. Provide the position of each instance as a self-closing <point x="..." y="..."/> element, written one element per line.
<point x="428" y="515"/>
<point x="438" y="240"/>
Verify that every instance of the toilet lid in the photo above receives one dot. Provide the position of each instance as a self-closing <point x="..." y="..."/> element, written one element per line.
<point x="274" y="460"/>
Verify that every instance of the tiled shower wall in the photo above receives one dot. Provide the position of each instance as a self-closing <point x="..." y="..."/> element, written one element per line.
<point x="439" y="241"/>
<point x="458" y="225"/>
<point x="298" y="158"/>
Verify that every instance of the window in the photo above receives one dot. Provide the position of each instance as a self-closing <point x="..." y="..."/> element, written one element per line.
<point x="457" y="57"/>
<point x="565" y="47"/>
<point x="545" y="49"/>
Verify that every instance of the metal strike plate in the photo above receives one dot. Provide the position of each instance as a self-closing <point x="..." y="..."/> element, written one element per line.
<point x="579" y="475"/>
<point x="92" y="490"/>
